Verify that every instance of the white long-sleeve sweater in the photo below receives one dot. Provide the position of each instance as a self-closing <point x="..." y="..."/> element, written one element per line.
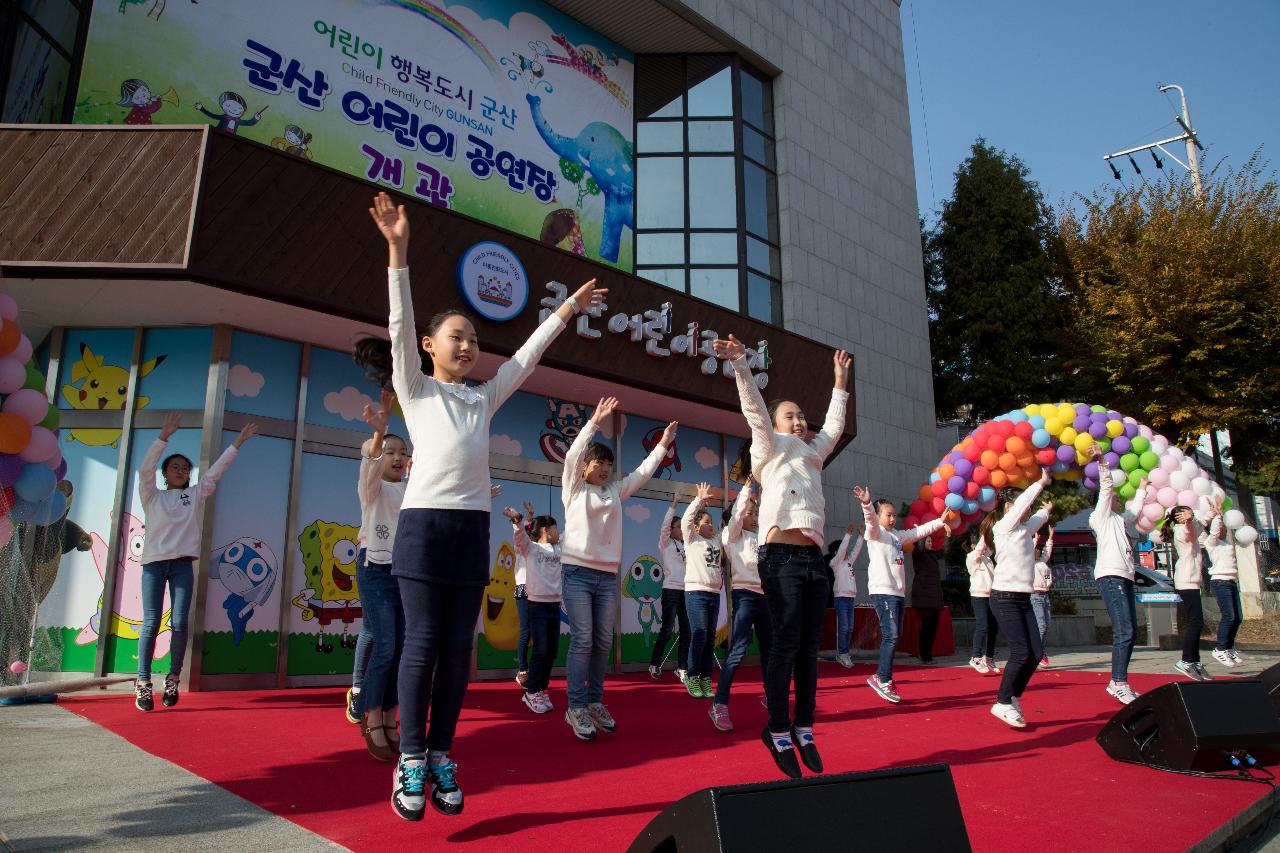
<point x="541" y="564"/>
<point x="1189" y="565"/>
<point x="449" y="423"/>
<point x="1044" y="575"/>
<point x="1015" y="543"/>
<point x="593" y="514"/>
<point x="380" y="502"/>
<point x="1115" y="550"/>
<point x="788" y="469"/>
<point x="172" y="516"/>
<point x="1222" y="552"/>
<point x="741" y="547"/>
<point x="846" y="584"/>
<point x="671" y="552"/>
<point x="886" y="574"/>
<point x="702" y="572"/>
<point x="981" y="570"/>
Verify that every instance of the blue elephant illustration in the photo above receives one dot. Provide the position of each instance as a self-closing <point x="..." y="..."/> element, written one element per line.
<point x="606" y="155"/>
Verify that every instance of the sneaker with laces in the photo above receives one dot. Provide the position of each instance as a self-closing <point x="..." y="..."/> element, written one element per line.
<point x="708" y="690"/>
<point x="720" y="717"/>
<point x="655" y="672"/>
<point x="1187" y="669"/>
<point x="1008" y="714"/>
<point x="980" y="665"/>
<point x="682" y="674"/>
<point x="602" y="718"/>
<point x="1202" y="673"/>
<point x="1044" y="662"/>
<point x="580" y="721"/>
<point x="353" y="713"/>
<point x="694" y="685"/>
<point x="408" y="794"/>
<point x="1223" y="656"/>
<point x="1016" y="702"/>
<point x="446" y="796"/>
<point x="545" y="701"/>
<point x="533" y="702"/>
<point x="522" y="678"/>
<point x="1122" y="691"/>
<point x="884" y="689"/>
<point x="142" y="696"/>
<point x="991" y="665"/>
<point x="845" y="660"/>
<point x="170" y="697"/>
<point x="1235" y="656"/>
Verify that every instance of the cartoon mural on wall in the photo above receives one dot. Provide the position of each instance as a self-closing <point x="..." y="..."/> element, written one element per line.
<point x="498" y="613"/>
<point x="126" y="616"/>
<point x="643" y="584"/>
<point x="670" y="464"/>
<point x="562" y="427"/>
<point x="329" y="568"/>
<point x="102" y="387"/>
<point x="247" y="570"/>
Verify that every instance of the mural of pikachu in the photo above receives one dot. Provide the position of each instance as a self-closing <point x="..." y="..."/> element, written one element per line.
<point x="101" y="386"/>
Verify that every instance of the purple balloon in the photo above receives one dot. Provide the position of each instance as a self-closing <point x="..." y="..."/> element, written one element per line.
<point x="1113" y="415"/>
<point x="1113" y="459"/>
<point x="1083" y="409"/>
<point x="1098" y="429"/>
<point x="1090" y="484"/>
<point x="1091" y="470"/>
<point x="1121" y="444"/>
<point x="10" y="467"/>
<point x="1080" y="424"/>
<point x="1066" y="453"/>
<point x="1130" y="429"/>
<point x="963" y="467"/>
<point x="61" y="471"/>
<point x="955" y="484"/>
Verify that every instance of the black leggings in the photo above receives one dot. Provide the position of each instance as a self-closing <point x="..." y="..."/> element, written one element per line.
<point x="929" y="618"/>
<point x="1195" y="624"/>
<point x="673" y="611"/>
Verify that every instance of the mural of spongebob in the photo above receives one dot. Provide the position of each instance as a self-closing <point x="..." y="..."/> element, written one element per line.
<point x="499" y="618"/>
<point x="644" y="584"/>
<point x="329" y="565"/>
<point x="101" y="387"/>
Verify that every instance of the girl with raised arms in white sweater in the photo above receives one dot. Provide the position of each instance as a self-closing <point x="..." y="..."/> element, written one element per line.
<point x="750" y="613"/>
<point x="1040" y="602"/>
<point x="170" y="548"/>
<point x="1188" y="535"/>
<point x="845" y="592"/>
<point x="441" y="553"/>
<point x="671" y="553"/>
<point x="787" y="463"/>
<point x="887" y="578"/>
<point x="981" y="572"/>
<point x="592" y="552"/>
<point x="1010" y="534"/>
<point x="1224" y="583"/>
<point x="702" y="581"/>
<point x="538" y="564"/>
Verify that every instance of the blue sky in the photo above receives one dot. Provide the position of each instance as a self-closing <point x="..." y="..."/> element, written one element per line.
<point x="1062" y="84"/>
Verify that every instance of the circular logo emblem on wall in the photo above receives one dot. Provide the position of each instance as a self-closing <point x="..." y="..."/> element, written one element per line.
<point x="493" y="281"/>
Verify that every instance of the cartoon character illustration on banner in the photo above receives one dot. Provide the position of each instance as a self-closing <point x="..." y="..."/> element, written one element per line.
<point x="136" y="95"/>
<point x="562" y="229"/>
<point x="126" y="616"/>
<point x="156" y="10"/>
<point x="329" y="564"/>
<point x="500" y="619"/>
<point x="670" y="462"/>
<point x="102" y="387"/>
<point x="233" y="108"/>
<point x="644" y="585"/>
<point x="294" y="140"/>
<point x="564" y="425"/>
<point x="248" y="570"/>
<point x="606" y="154"/>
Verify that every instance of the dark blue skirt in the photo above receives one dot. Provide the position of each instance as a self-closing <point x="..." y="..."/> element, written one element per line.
<point x="442" y="546"/>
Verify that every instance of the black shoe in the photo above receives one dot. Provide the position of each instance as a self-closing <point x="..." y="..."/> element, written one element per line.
<point x="142" y="696"/>
<point x="786" y="761"/>
<point x="808" y="752"/>
<point x="170" y="697"/>
<point x="353" y="713"/>
<point x="407" y="797"/>
<point x="446" y="796"/>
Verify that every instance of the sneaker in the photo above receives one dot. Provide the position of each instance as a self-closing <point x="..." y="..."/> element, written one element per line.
<point x="786" y="759"/>
<point x="720" y="717"/>
<point x="1122" y="691"/>
<point x="544" y="699"/>
<point x="446" y="796"/>
<point x="1235" y="656"/>
<point x="694" y="686"/>
<point x="1201" y="672"/>
<point x="142" y="696"/>
<point x="884" y="689"/>
<point x="170" y="697"/>
<point x="980" y="665"/>
<point x="808" y="751"/>
<point x="708" y="690"/>
<point x="353" y="715"/>
<point x="845" y="660"/>
<point x="764" y="701"/>
<point x="522" y="678"/>
<point x="601" y="717"/>
<point x="580" y="721"/>
<point x="1224" y="657"/>
<point x="533" y="701"/>
<point x="682" y="674"/>
<point x="408" y="795"/>
<point x="1044" y="662"/>
<point x="991" y="665"/>
<point x="1016" y="702"/>
<point x="1009" y="714"/>
<point x="1187" y="669"/>
<point x="655" y="672"/>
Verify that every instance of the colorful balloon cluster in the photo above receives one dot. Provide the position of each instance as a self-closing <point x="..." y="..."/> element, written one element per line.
<point x="30" y="462"/>
<point x="1014" y="448"/>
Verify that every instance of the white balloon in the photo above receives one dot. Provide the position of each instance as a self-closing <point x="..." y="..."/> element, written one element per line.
<point x="1233" y="519"/>
<point x="1179" y="481"/>
<point x="1218" y="492"/>
<point x="1201" y="485"/>
<point x="1246" y="536"/>
<point x="1159" y="444"/>
<point x="1189" y="467"/>
<point x="1175" y="452"/>
<point x="1119" y="478"/>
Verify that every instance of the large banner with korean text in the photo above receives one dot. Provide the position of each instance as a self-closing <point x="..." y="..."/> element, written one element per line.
<point x="504" y="110"/>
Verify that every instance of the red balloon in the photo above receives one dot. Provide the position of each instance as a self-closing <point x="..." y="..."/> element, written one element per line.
<point x="981" y="475"/>
<point x="918" y="507"/>
<point x="1023" y="430"/>
<point x="911" y="521"/>
<point x="1004" y="428"/>
<point x="938" y="542"/>
<point x="938" y="505"/>
<point x="1047" y="456"/>
<point x="996" y="443"/>
<point x="973" y="452"/>
<point x="972" y="490"/>
<point x="8" y="497"/>
<point x="10" y="334"/>
<point x="939" y="488"/>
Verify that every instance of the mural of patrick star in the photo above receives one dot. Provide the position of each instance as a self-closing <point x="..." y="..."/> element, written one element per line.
<point x="126" y="618"/>
<point x="607" y="156"/>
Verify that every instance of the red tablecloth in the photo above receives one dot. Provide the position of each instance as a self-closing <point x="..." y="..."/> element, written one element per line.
<point x="866" y="631"/>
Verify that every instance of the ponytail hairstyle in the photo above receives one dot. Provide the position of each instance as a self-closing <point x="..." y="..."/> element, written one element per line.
<point x="1170" y="517"/>
<point x="538" y="524"/>
<point x="877" y="505"/>
<point x="743" y="462"/>
<point x="373" y="355"/>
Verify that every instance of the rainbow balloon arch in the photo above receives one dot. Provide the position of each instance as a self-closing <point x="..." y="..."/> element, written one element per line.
<point x="1014" y="449"/>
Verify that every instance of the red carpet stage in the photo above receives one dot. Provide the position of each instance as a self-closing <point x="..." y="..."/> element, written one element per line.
<point x="531" y="786"/>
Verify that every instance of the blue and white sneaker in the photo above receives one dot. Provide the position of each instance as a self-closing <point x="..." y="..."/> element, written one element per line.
<point x="446" y="796"/>
<point x="408" y="794"/>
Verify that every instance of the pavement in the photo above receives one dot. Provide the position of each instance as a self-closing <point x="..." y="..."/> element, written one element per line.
<point x="50" y="798"/>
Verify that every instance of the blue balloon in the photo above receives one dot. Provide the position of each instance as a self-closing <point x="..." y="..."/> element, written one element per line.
<point x="1041" y="437"/>
<point x="953" y="501"/>
<point x="935" y="477"/>
<point x="1017" y="416"/>
<point x="987" y="494"/>
<point x="987" y="506"/>
<point x="35" y="483"/>
<point x="970" y="507"/>
<point x="1037" y="421"/>
<point x="1059" y="467"/>
<point x="51" y="509"/>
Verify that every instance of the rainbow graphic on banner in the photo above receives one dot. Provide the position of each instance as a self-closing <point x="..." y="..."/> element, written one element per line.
<point x="449" y="24"/>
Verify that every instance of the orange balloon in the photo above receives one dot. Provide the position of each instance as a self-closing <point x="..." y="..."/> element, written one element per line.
<point x="15" y="432"/>
<point x="908" y="547"/>
<point x="946" y="471"/>
<point x="1015" y="445"/>
<point x="925" y="493"/>
<point x="1026" y="460"/>
<point x="10" y="334"/>
<point x="1008" y="462"/>
<point x="999" y="479"/>
<point x="1031" y="472"/>
<point x="990" y="459"/>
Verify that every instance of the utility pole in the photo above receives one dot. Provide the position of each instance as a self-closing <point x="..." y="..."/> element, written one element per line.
<point x="1188" y="136"/>
<point x="1193" y="158"/>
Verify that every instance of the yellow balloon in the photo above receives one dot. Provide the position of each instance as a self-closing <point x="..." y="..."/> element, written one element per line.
<point x="1073" y="474"/>
<point x="1052" y="423"/>
<point x="1068" y="435"/>
<point x="1033" y="409"/>
<point x="1114" y="428"/>
<point x="1082" y="442"/>
<point x="1066" y="412"/>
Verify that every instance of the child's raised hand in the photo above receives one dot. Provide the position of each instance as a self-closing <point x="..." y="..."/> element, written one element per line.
<point x="391" y="220"/>
<point x="249" y="431"/>
<point x="1093" y="452"/>
<point x="863" y="494"/>
<point x="704" y="491"/>
<point x="172" y="422"/>
<point x="589" y="296"/>
<point x="376" y="419"/>
<point x="849" y="530"/>
<point x="841" y="363"/>
<point x="494" y="490"/>
<point x="528" y="510"/>
<point x="1046" y="476"/>
<point x="511" y="515"/>
<point x="669" y="434"/>
<point x="731" y="349"/>
<point x="604" y="409"/>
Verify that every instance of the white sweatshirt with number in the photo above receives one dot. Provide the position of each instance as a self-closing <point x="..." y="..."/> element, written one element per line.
<point x="742" y="549"/>
<point x="702" y="571"/>
<point x="172" y="516"/>
<point x="846" y="584"/>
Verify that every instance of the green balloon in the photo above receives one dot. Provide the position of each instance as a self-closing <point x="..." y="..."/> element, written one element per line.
<point x="1127" y="491"/>
<point x="35" y="379"/>
<point x="1149" y="460"/>
<point x="1140" y="444"/>
<point x="1129" y="462"/>
<point x="1227" y="504"/>
<point x="52" y="419"/>
<point x="1136" y="476"/>
<point x="1097" y="408"/>
<point x="1104" y="444"/>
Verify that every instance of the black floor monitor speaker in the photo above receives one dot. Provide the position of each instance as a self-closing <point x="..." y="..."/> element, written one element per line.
<point x="1196" y="726"/>
<point x="907" y="809"/>
<point x="1270" y="679"/>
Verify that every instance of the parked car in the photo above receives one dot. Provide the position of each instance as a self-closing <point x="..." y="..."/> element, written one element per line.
<point x="1151" y="580"/>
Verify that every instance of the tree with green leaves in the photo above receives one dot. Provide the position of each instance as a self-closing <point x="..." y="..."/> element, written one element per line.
<point x="995" y="311"/>
<point x="1177" y="300"/>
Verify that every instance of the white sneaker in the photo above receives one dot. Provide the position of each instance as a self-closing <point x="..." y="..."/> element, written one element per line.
<point x="1016" y="702"/>
<point x="1122" y="691"/>
<point x="655" y="672"/>
<point x="980" y="665"/>
<point x="1235" y="656"/>
<point x="1009" y="714"/>
<point x="584" y="728"/>
<point x="884" y="689"/>
<point x="681" y="673"/>
<point x="601" y="717"/>
<point x="991" y="665"/>
<point x="845" y="660"/>
<point x="538" y="703"/>
<point x="1224" y="657"/>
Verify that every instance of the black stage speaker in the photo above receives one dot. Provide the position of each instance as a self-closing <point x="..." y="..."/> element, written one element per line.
<point x="1195" y="726"/>
<point x="1270" y="679"/>
<point x="908" y="809"/>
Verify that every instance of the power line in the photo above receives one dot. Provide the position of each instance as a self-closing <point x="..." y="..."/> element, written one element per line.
<point x="924" y="112"/>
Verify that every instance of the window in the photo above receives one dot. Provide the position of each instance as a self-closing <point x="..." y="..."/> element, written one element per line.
<point x="706" y="181"/>
<point x="37" y="65"/>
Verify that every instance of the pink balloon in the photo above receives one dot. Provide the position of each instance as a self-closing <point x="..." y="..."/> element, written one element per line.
<point x="1145" y="431"/>
<point x="24" y="349"/>
<point x="56" y="459"/>
<point x="12" y="374"/>
<point x="1159" y="477"/>
<point x="17" y="667"/>
<point x="1187" y="498"/>
<point x="42" y="445"/>
<point x="27" y="403"/>
<point x="1152" y="512"/>
<point x="1170" y="463"/>
<point x="1167" y="497"/>
<point x="8" y="307"/>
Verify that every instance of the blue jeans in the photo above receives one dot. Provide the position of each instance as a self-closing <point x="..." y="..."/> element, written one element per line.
<point x="1040" y="606"/>
<point x="889" y="611"/>
<point x="544" y="628"/>
<point x="844" y="623"/>
<point x="749" y="612"/>
<point x="361" y="658"/>
<point x="180" y="578"/>
<point x="794" y="578"/>
<point x="383" y="619"/>
<point x="984" y="628"/>
<point x="704" y="612"/>
<point x="1122" y="607"/>
<point x="1228" y="595"/>
<point x="590" y="599"/>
